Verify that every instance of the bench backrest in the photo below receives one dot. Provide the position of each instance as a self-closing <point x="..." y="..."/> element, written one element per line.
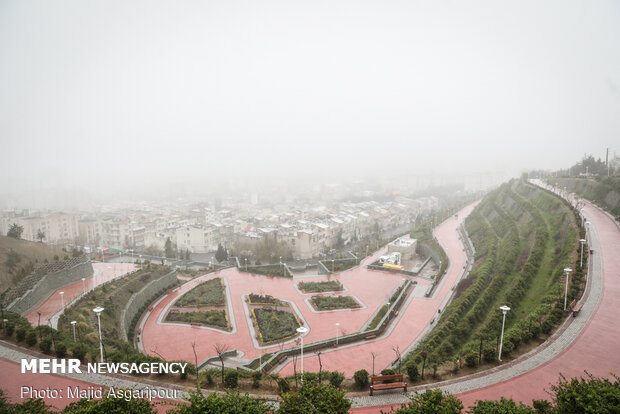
<point x="381" y="378"/>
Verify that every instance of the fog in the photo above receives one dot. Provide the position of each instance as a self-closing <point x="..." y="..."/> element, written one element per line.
<point x="110" y="96"/>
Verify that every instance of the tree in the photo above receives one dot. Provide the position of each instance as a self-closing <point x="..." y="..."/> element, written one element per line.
<point x="169" y="249"/>
<point x="504" y="406"/>
<point x="361" y="378"/>
<point x="220" y="349"/>
<point x="586" y="395"/>
<point x="221" y="254"/>
<point x="40" y="235"/>
<point x="15" y="231"/>
<point x="431" y="402"/>
<point x="316" y="398"/>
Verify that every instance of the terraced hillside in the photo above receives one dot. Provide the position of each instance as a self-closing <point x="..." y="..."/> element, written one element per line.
<point x="604" y="191"/>
<point x="524" y="238"/>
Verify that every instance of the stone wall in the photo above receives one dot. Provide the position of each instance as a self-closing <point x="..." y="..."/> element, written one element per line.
<point x="141" y="298"/>
<point x="48" y="284"/>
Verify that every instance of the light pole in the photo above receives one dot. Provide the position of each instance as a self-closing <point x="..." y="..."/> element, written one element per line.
<point x="583" y="241"/>
<point x="388" y="311"/>
<point x="337" y="332"/>
<point x="567" y="270"/>
<point x="62" y="301"/>
<point x="302" y="330"/>
<point x="246" y="264"/>
<point x="73" y="323"/>
<point x="98" y="311"/>
<point x="84" y="285"/>
<point x="504" y="310"/>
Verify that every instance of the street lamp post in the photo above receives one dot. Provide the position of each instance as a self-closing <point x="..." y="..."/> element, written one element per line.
<point x="98" y="311"/>
<point x="567" y="270"/>
<point x="337" y="332"/>
<point x="504" y="310"/>
<point x="583" y="241"/>
<point x="62" y="301"/>
<point x="84" y="285"/>
<point x="388" y="311"/>
<point x="302" y="330"/>
<point x="73" y="323"/>
<point x="246" y="264"/>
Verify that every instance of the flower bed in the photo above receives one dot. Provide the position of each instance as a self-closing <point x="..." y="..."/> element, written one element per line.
<point x="334" y="302"/>
<point x="215" y="318"/>
<point x="316" y="287"/>
<point x="209" y="293"/>
<point x="275" y="325"/>
<point x="254" y="299"/>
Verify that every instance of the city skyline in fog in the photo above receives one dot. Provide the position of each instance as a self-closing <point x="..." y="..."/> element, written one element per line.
<point x="107" y="97"/>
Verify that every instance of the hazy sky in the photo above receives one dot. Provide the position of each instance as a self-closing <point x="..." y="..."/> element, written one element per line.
<point x="114" y="90"/>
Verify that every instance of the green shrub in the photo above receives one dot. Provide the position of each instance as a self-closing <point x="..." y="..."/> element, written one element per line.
<point x="31" y="338"/>
<point x="336" y="378"/>
<point x="471" y="359"/>
<point x="412" y="371"/>
<point x="9" y="328"/>
<point x="361" y="378"/>
<point x="46" y="345"/>
<point x="388" y="371"/>
<point x="79" y="351"/>
<point x="488" y="353"/>
<point x="61" y="350"/>
<point x="231" y="379"/>
<point x="20" y="334"/>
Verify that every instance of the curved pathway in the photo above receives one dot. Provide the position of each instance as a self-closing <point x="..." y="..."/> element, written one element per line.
<point x="372" y="288"/>
<point x="584" y="343"/>
<point x="102" y="272"/>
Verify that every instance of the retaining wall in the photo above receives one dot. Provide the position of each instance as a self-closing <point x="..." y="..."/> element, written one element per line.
<point x="48" y="284"/>
<point x="143" y="297"/>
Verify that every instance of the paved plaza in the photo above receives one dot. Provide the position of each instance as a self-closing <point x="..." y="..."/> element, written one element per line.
<point x="583" y="343"/>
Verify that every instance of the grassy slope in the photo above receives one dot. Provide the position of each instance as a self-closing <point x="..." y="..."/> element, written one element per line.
<point x="504" y="229"/>
<point x="31" y="254"/>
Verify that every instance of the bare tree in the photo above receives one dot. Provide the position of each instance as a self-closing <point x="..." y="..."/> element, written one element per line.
<point x="396" y="350"/>
<point x="318" y="354"/>
<point x="220" y="349"/>
<point x="154" y="350"/>
<point x="198" y="375"/>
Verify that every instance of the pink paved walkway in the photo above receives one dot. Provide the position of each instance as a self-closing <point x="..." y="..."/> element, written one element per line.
<point x="103" y="272"/>
<point x="371" y="287"/>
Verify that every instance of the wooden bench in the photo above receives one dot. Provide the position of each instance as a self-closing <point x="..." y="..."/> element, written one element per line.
<point x="378" y="382"/>
<point x="370" y="336"/>
<point x="576" y="309"/>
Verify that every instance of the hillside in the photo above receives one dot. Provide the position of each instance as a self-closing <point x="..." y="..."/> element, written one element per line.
<point x="524" y="237"/>
<point x="19" y="257"/>
<point x="604" y="191"/>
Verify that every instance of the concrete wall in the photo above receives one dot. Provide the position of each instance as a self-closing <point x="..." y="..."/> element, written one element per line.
<point x="47" y="285"/>
<point x="142" y="297"/>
